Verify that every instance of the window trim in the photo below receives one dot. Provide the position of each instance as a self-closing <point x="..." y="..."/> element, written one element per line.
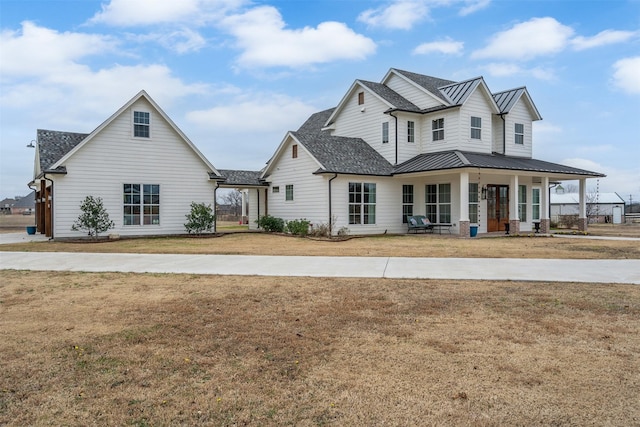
<point x="135" y="124"/>
<point x="437" y="129"/>
<point x="534" y="204"/>
<point x="518" y="137"/>
<point x="288" y="193"/>
<point x="362" y="203"/>
<point x="385" y="132"/>
<point x="411" y="131"/>
<point x="142" y="204"/>
<point x="360" y="98"/>
<point x="275" y="189"/>
<point x="407" y="201"/>
<point x="294" y="151"/>
<point x="522" y="203"/>
<point x="474" y="202"/>
<point x="477" y="128"/>
<point x="442" y="211"/>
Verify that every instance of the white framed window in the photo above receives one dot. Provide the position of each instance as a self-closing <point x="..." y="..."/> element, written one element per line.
<point x="522" y="203"/>
<point x="385" y="132"/>
<point x="438" y="202"/>
<point x="141" y="204"/>
<point x="275" y="189"/>
<point x="519" y="133"/>
<point x="407" y="202"/>
<point x="288" y="192"/>
<point x="411" y="131"/>
<point x="360" y="98"/>
<point x="437" y="128"/>
<point x="362" y="203"/>
<point x="141" y="124"/>
<point x="535" y="204"/>
<point x="476" y="127"/>
<point x="473" y="202"/>
<point x="294" y="151"/>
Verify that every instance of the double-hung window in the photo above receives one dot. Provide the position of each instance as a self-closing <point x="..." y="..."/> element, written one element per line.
<point x="385" y="132"/>
<point x="473" y="202"/>
<point x="438" y="202"/>
<point x="407" y="202"/>
<point x="519" y="133"/>
<point x="411" y="131"/>
<point x="288" y="192"/>
<point x="437" y="129"/>
<point x="476" y="127"/>
<point x="522" y="203"/>
<point x="535" y="204"/>
<point x="141" y="124"/>
<point x="362" y="203"/>
<point x="141" y="204"/>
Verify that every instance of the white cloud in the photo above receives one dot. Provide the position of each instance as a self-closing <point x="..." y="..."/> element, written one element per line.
<point x="127" y="13"/>
<point x="506" y="69"/>
<point x="400" y="14"/>
<point x="619" y="180"/>
<point x="180" y="41"/>
<point x="526" y="40"/>
<point x="626" y="74"/>
<point x="447" y="46"/>
<point x="265" y="41"/>
<point x="473" y="6"/>
<point x="603" y="38"/>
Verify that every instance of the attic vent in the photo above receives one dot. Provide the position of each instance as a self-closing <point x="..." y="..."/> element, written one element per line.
<point x="360" y="98"/>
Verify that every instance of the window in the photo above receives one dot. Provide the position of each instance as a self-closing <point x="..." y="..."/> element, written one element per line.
<point x="294" y="151"/>
<point x="141" y="204"/>
<point x="519" y="131"/>
<point x="288" y="192"/>
<point x="360" y="98"/>
<point x="141" y="124"/>
<point x="522" y="203"/>
<point x="362" y="203"/>
<point x="473" y="202"/>
<point x="407" y="202"/>
<point x="476" y="128"/>
<point x="437" y="127"/>
<point x="411" y="131"/>
<point x="438" y="202"/>
<point x="535" y="204"/>
<point x="275" y="189"/>
<point x="385" y="132"/>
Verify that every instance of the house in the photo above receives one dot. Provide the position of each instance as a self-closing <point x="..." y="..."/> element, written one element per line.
<point x="18" y="205"/>
<point x="414" y="144"/>
<point x="601" y="207"/>
<point x="144" y="168"/>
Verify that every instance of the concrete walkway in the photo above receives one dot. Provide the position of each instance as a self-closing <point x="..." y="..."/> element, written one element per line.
<point x="552" y="270"/>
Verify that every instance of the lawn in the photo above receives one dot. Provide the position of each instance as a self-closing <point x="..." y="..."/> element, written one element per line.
<point x="125" y="349"/>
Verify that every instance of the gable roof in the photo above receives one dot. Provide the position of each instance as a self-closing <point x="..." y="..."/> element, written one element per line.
<point x="458" y="93"/>
<point x="241" y="178"/>
<point x="507" y="99"/>
<point x="460" y="159"/>
<point x="54" y="145"/>
<point x="428" y="83"/>
<point x="394" y="99"/>
<point x="68" y="141"/>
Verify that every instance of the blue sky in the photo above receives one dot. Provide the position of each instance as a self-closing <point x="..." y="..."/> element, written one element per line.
<point x="236" y="75"/>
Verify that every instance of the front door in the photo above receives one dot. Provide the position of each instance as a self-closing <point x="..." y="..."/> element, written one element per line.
<point x="497" y="207"/>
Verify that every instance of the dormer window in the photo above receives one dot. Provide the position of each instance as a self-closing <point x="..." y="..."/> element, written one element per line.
<point x="476" y="128"/>
<point x="411" y="131"/>
<point x="385" y="132"/>
<point x="519" y="133"/>
<point x="360" y="98"/>
<point x="141" y="124"/>
<point x="437" y="127"/>
<point x="294" y="151"/>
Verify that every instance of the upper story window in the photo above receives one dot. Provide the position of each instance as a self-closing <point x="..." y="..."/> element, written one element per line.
<point x="360" y="98"/>
<point x="519" y="133"/>
<point x="411" y="131"/>
<point x="294" y="151"/>
<point x="288" y="192"/>
<point x="141" y="124"/>
<point x="476" y="127"/>
<point x="437" y="127"/>
<point x="385" y="132"/>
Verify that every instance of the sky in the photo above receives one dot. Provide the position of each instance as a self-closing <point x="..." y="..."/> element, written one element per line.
<point x="236" y="75"/>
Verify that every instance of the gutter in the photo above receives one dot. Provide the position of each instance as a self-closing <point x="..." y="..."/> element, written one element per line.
<point x="215" y="207"/>
<point x="335" y="175"/>
<point x="44" y="175"/>
<point x="396" y="136"/>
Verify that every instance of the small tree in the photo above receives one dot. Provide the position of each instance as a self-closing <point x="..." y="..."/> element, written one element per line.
<point x="94" y="217"/>
<point x="200" y="219"/>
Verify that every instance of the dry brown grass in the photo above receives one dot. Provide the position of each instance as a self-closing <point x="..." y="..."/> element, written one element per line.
<point x="118" y="349"/>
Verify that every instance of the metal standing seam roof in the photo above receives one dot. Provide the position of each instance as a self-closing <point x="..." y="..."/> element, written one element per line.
<point x="53" y="145"/>
<point x="507" y="98"/>
<point x="458" y="93"/>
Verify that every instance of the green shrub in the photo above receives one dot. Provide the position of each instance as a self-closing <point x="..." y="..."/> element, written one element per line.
<point x="94" y="217"/>
<point x="200" y="219"/>
<point x="299" y="227"/>
<point x="271" y="223"/>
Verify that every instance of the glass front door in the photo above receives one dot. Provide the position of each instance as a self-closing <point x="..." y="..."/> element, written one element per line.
<point x="497" y="207"/>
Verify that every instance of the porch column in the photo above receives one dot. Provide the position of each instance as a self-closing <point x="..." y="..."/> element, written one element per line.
<point x="545" y="221"/>
<point x="464" y="205"/>
<point x="582" y="209"/>
<point x="514" y="218"/>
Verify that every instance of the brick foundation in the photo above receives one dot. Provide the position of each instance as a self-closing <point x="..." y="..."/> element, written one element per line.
<point x="465" y="230"/>
<point x="514" y="226"/>
<point x="583" y="224"/>
<point x="545" y="226"/>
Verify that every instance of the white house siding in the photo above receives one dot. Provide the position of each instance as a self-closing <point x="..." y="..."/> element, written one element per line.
<point x="451" y="131"/>
<point x="113" y="158"/>
<point x="497" y="141"/>
<point x="410" y="92"/>
<point x="256" y="201"/>
<point x="309" y="190"/>
<point x="476" y="106"/>
<point x="408" y="150"/>
<point x="519" y="114"/>
<point x="354" y="123"/>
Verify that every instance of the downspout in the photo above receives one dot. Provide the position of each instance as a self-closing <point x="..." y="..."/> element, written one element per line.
<point x="335" y="175"/>
<point x="504" y="134"/>
<point x="258" y="203"/>
<point x="215" y="206"/>
<point x="44" y="175"/>
<point x="396" y="134"/>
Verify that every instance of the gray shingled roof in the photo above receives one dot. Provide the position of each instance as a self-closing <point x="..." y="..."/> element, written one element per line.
<point x="432" y="84"/>
<point x="340" y="154"/>
<point x="460" y="159"/>
<point x="391" y="96"/>
<point x="53" y="145"/>
<point x="241" y="177"/>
